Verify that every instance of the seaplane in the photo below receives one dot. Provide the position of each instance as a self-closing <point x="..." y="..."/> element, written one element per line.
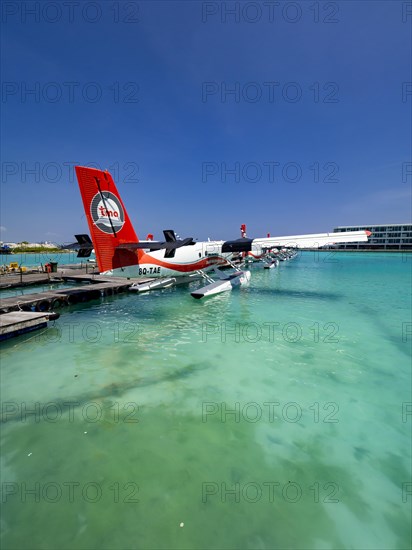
<point x="152" y="264"/>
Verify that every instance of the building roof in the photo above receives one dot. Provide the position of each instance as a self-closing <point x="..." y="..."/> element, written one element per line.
<point x="375" y="225"/>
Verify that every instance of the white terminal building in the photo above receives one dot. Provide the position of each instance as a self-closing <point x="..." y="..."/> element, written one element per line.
<point x="384" y="237"/>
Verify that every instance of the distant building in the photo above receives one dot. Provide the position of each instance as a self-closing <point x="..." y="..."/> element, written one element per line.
<point x="384" y="237"/>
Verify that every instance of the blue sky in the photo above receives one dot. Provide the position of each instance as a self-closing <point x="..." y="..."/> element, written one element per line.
<point x="315" y="134"/>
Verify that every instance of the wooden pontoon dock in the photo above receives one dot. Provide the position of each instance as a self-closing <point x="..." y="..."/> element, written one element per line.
<point x="19" y="322"/>
<point x="94" y="287"/>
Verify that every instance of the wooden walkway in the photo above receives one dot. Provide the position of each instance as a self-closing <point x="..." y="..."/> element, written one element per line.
<point x="97" y="288"/>
<point x="17" y="280"/>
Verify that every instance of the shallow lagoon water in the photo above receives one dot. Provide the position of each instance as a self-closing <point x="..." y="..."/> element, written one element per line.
<point x="34" y="259"/>
<point x="269" y="417"/>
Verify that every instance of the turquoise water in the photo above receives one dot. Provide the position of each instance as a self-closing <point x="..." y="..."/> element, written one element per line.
<point x="269" y="417"/>
<point x="36" y="259"/>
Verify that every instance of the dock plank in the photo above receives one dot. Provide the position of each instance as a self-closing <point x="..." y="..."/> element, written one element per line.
<point x="17" y="280"/>
<point x="51" y="299"/>
<point x="15" y="317"/>
<point x="19" y="322"/>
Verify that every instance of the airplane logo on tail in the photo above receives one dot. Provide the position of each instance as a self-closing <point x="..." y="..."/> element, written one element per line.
<point x="107" y="212"/>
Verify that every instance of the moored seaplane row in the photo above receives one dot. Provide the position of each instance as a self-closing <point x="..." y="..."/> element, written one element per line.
<point x="274" y="257"/>
<point x="119" y="253"/>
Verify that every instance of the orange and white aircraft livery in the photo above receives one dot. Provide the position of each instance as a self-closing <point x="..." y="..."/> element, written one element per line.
<point x="120" y="253"/>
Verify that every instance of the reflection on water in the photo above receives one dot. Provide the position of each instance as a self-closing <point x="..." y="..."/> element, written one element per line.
<point x="270" y="417"/>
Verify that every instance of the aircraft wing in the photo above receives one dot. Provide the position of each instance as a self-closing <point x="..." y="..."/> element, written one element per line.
<point x="84" y="246"/>
<point x="315" y="240"/>
<point x="157" y="245"/>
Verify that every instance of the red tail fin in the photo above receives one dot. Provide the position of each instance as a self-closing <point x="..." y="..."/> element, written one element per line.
<point x="108" y="221"/>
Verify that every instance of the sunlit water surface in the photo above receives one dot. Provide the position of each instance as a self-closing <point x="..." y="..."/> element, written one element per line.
<point x="36" y="259"/>
<point x="274" y="416"/>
